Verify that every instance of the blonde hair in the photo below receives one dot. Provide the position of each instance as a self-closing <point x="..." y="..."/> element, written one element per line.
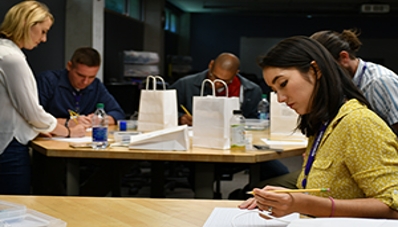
<point x="21" y="17"/>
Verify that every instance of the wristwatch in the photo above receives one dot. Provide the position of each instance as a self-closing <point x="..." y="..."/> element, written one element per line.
<point x="67" y="127"/>
<point x="68" y="136"/>
<point x="67" y="122"/>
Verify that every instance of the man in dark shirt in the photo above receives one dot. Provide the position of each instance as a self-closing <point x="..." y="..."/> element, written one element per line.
<point x="75" y="88"/>
<point x="225" y="67"/>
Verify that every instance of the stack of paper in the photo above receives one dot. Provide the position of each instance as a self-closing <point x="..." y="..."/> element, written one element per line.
<point x="227" y="217"/>
<point x="343" y="222"/>
<point x="284" y="143"/>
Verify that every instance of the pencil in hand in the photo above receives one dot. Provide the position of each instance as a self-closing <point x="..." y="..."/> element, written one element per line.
<point x="73" y="115"/>
<point x="185" y="110"/>
<point x="296" y="190"/>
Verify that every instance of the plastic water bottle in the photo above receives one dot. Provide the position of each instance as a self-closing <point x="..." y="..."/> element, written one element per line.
<point x="263" y="108"/>
<point x="100" y="128"/>
<point x="237" y="125"/>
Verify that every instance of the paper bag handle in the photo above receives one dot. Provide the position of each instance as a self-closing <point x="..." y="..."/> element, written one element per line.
<point x="213" y="87"/>
<point x="154" y="82"/>
<point x="213" y="90"/>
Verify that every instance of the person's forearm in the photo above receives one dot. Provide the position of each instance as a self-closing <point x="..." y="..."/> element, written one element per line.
<point x="61" y="121"/>
<point x="60" y="130"/>
<point x="366" y="207"/>
<point x="322" y="207"/>
<point x="111" y="121"/>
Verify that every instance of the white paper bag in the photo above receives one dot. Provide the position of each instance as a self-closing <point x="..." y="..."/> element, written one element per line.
<point x="158" y="108"/>
<point x="283" y="121"/>
<point x="211" y="116"/>
<point x="175" y="138"/>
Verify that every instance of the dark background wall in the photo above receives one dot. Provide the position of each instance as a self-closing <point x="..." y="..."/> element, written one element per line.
<point x="212" y="34"/>
<point x="120" y="33"/>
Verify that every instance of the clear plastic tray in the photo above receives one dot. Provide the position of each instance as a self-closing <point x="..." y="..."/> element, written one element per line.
<point x="129" y="125"/>
<point x="32" y="218"/>
<point x="123" y="137"/>
<point x="256" y="124"/>
<point x="11" y="210"/>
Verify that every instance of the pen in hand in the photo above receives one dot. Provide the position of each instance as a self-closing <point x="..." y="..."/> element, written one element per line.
<point x="295" y="190"/>
<point x="185" y="110"/>
<point x="73" y="115"/>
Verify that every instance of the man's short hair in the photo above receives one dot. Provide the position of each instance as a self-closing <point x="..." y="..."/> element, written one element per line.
<point x="86" y="56"/>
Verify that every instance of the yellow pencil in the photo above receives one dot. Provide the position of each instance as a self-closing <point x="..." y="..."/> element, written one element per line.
<point x="296" y="190"/>
<point x="73" y="115"/>
<point x="185" y="110"/>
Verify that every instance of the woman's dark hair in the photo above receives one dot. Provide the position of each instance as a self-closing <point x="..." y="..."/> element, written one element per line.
<point x="336" y="42"/>
<point x="332" y="88"/>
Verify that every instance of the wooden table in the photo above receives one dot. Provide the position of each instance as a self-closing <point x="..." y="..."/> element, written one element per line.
<point x="204" y="158"/>
<point x="120" y="212"/>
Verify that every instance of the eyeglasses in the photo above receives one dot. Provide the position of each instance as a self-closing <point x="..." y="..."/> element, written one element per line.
<point x="214" y="77"/>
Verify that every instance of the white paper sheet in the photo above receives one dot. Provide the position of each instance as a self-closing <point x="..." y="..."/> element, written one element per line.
<point x="343" y="222"/>
<point x="225" y="217"/>
<point x="228" y="217"/>
<point x="85" y="139"/>
<point x="281" y="143"/>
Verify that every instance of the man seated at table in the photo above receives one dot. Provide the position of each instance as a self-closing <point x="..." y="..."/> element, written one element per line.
<point x="225" y="67"/>
<point x="75" y="88"/>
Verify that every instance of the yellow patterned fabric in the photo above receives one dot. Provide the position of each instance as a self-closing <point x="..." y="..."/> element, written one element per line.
<point x="357" y="157"/>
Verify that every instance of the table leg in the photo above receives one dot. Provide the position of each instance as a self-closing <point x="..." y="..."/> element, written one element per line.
<point x="204" y="180"/>
<point x="157" y="179"/>
<point x="72" y="177"/>
<point x="254" y="177"/>
<point x="116" y="177"/>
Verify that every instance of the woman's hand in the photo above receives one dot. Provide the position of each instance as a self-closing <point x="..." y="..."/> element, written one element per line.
<point x="278" y="204"/>
<point x="249" y="204"/>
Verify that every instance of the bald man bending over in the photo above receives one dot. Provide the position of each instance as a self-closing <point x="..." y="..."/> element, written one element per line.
<point x="225" y="67"/>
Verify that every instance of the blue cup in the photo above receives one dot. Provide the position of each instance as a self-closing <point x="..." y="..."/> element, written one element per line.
<point x="122" y="126"/>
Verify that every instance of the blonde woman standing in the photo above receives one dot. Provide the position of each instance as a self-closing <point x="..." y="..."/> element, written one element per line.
<point x="25" y="25"/>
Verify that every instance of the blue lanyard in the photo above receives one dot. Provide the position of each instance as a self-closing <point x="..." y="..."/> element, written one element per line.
<point x="313" y="151"/>
<point x="77" y="101"/>
<point x="361" y="75"/>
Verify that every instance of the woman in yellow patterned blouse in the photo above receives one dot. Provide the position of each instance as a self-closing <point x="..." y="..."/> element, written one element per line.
<point x="351" y="150"/>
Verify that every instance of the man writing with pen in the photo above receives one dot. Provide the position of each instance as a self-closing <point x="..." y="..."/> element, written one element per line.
<point x="225" y="67"/>
<point x="71" y="95"/>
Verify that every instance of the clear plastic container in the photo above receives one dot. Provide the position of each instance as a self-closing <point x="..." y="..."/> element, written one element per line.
<point x="256" y="124"/>
<point x="11" y="210"/>
<point x="123" y="137"/>
<point x="131" y="125"/>
<point x="32" y="218"/>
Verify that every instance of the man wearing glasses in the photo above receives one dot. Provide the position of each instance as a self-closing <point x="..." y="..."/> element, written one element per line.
<point x="225" y="67"/>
